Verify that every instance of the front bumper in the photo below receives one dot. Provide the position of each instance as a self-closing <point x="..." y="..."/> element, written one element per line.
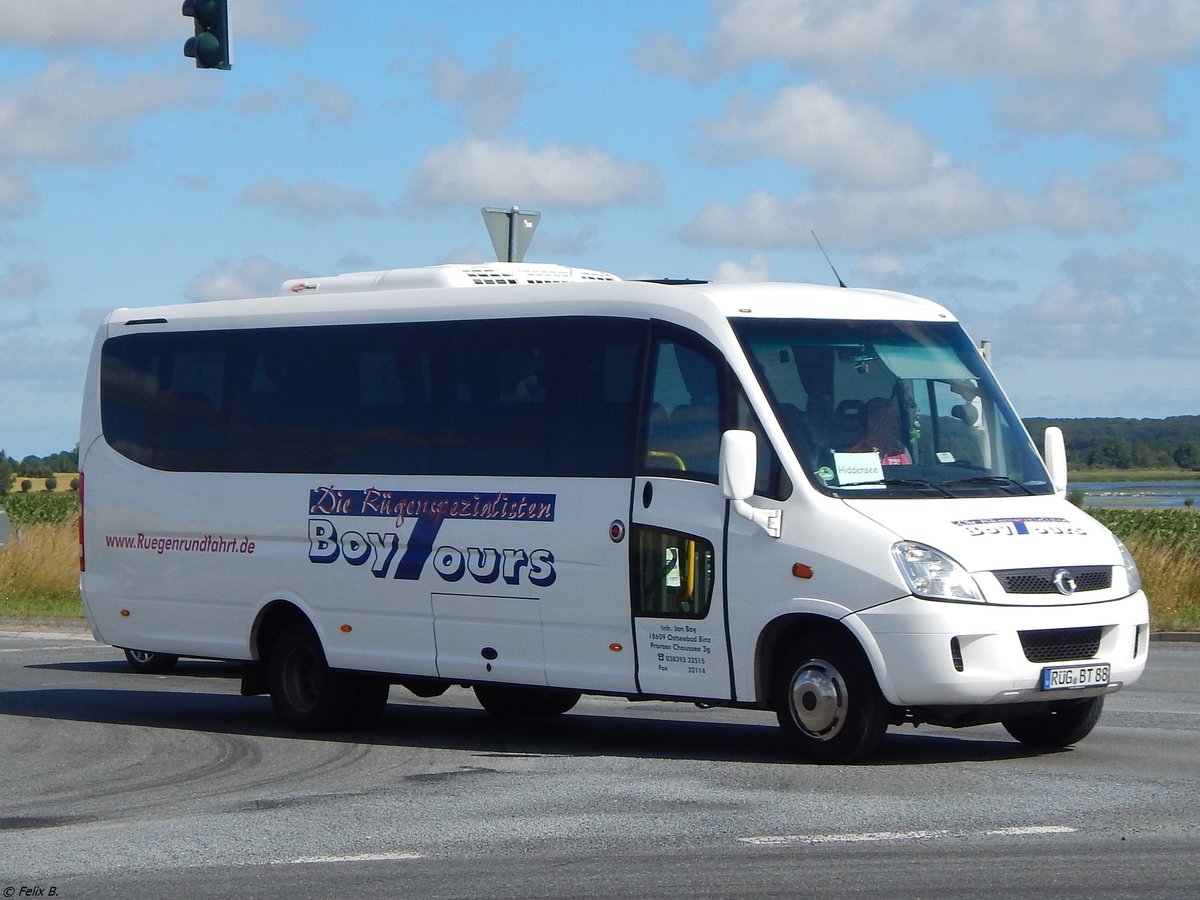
<point x="933" y="653"/>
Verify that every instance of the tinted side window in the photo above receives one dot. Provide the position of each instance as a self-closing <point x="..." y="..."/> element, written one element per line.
<point x="683" y="417"/>
<point x="500" y="397"/>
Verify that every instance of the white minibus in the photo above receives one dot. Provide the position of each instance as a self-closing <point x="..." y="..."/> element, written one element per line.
<point x="538" y="482"/>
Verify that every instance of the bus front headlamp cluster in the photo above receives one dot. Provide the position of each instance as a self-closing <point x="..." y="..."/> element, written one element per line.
<point x="934" y="575"/>
<point x="1132" y="575"/>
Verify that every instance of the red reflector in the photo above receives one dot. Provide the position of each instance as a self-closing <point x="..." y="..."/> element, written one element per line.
<point x="346" y="629"/>
<point x="802" y="570"/>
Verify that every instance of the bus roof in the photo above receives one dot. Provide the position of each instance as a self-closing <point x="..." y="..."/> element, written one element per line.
<point x="520" y="289"/>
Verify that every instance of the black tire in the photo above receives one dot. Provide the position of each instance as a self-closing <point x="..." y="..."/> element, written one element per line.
<point x="828" y="702"/>
<point x="309" y="695"/>
<point x="150" y="663"/>
<point x="1063" y="724"/>
<point x="506" y="701"/>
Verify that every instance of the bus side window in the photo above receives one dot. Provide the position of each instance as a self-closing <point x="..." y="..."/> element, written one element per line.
<point x="771" y="481"/>
<point x="672" y="573"/>
<point x="683" y="417"/>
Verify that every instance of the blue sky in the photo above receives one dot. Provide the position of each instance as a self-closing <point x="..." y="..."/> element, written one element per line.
<point x="1030" y="164"/>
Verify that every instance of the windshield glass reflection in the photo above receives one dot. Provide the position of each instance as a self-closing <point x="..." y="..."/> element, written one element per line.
<point x="885" y="409"/>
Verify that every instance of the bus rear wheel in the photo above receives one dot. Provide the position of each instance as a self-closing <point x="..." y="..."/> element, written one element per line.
<point x="827" y="701"/>
<point x="506" y="701"/>
<point x="1064" y="724"/>
<point x="309" y="695"/>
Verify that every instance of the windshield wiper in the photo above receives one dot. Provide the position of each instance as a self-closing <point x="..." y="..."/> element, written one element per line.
<point x="998" y="480"/>
<point x="916" y="482"/>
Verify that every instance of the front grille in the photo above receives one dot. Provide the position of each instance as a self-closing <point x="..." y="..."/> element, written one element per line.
<point x="1060" y="644"/>
<point x="1041" y="581"/>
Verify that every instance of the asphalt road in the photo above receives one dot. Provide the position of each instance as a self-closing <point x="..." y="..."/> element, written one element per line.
<point x="116" y="784"/>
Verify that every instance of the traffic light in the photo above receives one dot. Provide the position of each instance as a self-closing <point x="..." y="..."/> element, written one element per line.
<point x="210" y="46"/>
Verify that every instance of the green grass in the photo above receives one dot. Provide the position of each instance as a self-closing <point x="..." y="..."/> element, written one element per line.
<point x="1165" y="544"/>
<point x="40" y="509"/>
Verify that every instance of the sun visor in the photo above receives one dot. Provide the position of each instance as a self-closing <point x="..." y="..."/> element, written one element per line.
<point x="914" y="361"/>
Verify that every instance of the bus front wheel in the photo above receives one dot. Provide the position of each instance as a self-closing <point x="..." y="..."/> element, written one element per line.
<point x="1064" y="724"/>
<point x="827" y="701"/>
<point x="309" y="695"/>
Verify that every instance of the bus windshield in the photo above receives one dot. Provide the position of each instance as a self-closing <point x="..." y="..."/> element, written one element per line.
<point x="891" y="409"/>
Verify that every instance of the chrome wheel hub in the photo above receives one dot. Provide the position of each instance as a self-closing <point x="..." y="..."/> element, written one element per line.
<point x="817" y="699"/>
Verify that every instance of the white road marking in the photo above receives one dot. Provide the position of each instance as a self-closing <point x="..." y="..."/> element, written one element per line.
<point x="357" y="857"/>
<point x="862" y="837"/>
<point x="1032" y="829"/>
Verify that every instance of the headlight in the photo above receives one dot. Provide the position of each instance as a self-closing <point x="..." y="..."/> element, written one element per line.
<point x="934" y="575"/>
<point x="1131" y="569"/>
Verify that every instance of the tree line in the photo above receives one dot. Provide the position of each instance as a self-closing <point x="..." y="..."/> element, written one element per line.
<point x="36" y="467"/>
<point x="1170" y="443"/>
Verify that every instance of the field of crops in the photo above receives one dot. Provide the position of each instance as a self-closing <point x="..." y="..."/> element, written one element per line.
<point x="1165" y="543"/>
<point x="39" y="568"/>
<point x="39" y="573"/>
<point x="40" y="508"/>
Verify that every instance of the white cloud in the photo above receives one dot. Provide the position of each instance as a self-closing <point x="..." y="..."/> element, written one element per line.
<point x="123" y="24"/>
<point x="757" y="269"/>
<point x="952" y="204"/>
<point x="16" y="194"/>
<point x="1026" y="39"/>
<point x="24" y="279"/>
<point x="70" y="113"/>
<point x="1073" y="207"/>
<point x="1123" y="108"/>
<point x="325" y="103"/>
<point x="1141" y="169"/>
<point x="883" y="268"/>
<point x="491" y="97"/>
<point x="1132" y="303"/>
<point x="1069" y="64"/>
<point x="254" y="276"/>
<point x="660" y="53"/>
<point x="836" y="140"/>
<point x="116" y="23"/>
<point x="330" y="103"/>
<point x="38" y="363"/>
<point x="1065" y="386"/>
<point x="311" y="199"/>
<point x="503" y="172"/>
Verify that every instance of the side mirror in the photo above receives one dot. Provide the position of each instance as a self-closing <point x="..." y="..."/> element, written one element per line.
<point x="1056" y="459"/>
<point x="739" y="470"/>
<point x="739" y="464"/>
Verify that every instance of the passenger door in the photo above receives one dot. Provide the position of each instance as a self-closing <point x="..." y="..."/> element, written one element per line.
<point x="678" y="526"/>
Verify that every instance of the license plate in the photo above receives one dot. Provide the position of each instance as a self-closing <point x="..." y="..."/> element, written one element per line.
<point x="1064" y="678"/>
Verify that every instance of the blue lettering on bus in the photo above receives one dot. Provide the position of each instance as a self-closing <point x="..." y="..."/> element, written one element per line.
<point x="428" y="510"/>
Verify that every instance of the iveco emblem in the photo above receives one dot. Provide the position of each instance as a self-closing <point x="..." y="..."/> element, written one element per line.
<point x="1064" y="582"/>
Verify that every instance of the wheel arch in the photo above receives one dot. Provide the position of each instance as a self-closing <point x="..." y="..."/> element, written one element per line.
<point x="270" y="622"/>
<point x="781" y="632"/>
